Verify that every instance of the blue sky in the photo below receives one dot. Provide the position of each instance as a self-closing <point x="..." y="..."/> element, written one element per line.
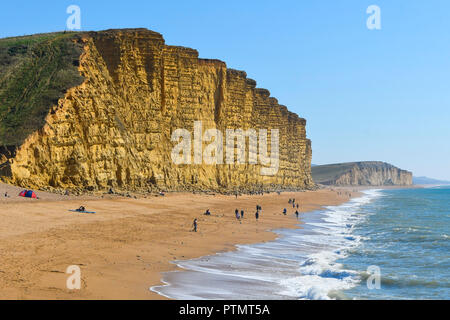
<point x="367" y="94"/>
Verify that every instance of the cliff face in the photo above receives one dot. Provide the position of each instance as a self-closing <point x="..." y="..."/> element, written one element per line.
<point x="114" y="130"/>
<point x="370" y="173"/>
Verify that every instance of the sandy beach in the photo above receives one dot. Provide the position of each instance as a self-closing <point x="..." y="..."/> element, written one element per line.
<point x="124" y="247"/>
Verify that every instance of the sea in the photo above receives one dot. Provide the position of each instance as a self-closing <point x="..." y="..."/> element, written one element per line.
<point x="385" y="244"/>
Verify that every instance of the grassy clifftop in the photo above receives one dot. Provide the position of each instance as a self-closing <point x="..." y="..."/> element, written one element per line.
<point x="35" y="71"/>
<point x="330" y="172"/>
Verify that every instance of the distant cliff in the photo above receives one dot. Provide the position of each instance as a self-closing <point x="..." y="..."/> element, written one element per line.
<point x="371" y="173"/>
<point x="113" y="128"/>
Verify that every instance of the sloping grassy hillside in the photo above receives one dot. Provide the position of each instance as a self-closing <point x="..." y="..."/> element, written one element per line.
<point x="331" y="171"/>
<point x="35" y="71"/>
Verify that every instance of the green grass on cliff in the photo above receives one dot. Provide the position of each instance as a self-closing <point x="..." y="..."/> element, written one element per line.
<point x="35" y="71"/>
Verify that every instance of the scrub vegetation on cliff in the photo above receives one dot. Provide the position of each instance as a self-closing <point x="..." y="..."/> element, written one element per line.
<point x="35" y="72"/>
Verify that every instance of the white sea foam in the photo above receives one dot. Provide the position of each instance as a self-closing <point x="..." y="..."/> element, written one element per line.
<point x="320" y="274"/>
<point x="300" y="264"/>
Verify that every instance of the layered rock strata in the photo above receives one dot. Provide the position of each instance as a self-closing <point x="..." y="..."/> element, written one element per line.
<point x="115" y="129"/>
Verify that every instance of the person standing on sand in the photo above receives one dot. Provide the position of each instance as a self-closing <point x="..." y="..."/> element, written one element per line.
<point x="236" y="212"/>
<point x="194" y="225"/>
<point x="257" y="215"/>
<point x="242" y="214"/>
<point x="284" y="211"/>
<point x="296" y="214"/>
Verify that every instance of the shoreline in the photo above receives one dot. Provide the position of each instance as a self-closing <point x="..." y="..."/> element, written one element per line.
<point x="270" y="270"/>
<point x="124" y="248"/>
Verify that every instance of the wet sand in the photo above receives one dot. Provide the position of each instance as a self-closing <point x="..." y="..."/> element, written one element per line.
<point x="123" y="248"/>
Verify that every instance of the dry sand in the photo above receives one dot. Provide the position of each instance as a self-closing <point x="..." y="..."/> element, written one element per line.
<point x="124" y="247"/>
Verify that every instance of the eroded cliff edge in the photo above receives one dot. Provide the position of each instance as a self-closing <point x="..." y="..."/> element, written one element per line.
<point x="368" y="173"/>
<point x="114" y="130"/>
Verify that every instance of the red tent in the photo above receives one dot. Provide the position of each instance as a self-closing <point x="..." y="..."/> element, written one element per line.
<point x="28" y="194"/>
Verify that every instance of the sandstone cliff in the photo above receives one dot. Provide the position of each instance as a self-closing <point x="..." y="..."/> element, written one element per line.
<point x="370" y="173"/>
<point x="114" y="130"/>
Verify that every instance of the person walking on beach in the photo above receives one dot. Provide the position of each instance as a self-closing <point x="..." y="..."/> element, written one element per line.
<point x="296" y="214"/>
<point x="257" y="215"/>
<point x="236" y="212"/>
<point x="297" y="205"/>
<point x="242" y="214"/>
<point x="284" y="211"/>
<point x="194" y="225"/>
